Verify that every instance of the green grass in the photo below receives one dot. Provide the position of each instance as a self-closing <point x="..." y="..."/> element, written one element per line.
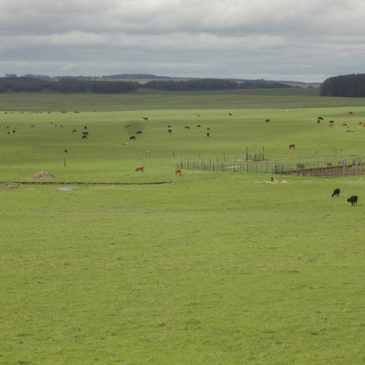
<point x="155" y="100"/>
<point x="212" y="268"/>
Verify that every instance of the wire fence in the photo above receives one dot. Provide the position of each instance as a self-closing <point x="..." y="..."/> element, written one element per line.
<point x="336" y="162"/>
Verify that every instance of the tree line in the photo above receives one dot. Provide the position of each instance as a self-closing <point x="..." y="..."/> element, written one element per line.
<point x="66" y="85"/>
<point x="346" y="85"/>
<point x="75" y="85"/>
<point x="211" y="84"/>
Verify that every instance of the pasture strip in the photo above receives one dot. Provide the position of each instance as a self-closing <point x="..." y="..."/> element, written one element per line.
<point x="83" y="183"/>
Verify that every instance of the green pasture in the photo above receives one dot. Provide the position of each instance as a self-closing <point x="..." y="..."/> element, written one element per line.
<point x="210" y="267"/>
<point x="145" y="99"/>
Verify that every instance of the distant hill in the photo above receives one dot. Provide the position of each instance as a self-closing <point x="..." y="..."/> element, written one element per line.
<point x="122" y="83"/>
<point x="144" y="78"/>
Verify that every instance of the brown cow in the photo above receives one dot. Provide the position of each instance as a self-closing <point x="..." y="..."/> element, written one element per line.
<point x="177" y="171"/>
<point x="139" y="168"/>
<point x="291" y="146"/>
<point x="187" y="126"/>
<point x="74" y="130"/>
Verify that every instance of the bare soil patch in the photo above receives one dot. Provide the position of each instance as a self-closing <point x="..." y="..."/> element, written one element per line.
<point x="10" y="186"/>
<point x="43" y="175"/>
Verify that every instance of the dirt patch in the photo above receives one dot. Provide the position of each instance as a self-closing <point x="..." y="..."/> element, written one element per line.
<point x="10" y="186"/>
<point x="43" y="175"/>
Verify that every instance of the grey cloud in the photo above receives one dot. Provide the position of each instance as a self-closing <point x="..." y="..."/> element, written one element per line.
<point x="217" y="38"/>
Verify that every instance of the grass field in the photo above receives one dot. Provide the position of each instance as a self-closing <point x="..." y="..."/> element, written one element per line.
<point x="209" y="268"/>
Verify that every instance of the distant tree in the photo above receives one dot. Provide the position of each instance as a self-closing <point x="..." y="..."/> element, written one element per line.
<point x="346" y="85"/>
<point x="210" y="84"/>
<point x="64" y="85"/>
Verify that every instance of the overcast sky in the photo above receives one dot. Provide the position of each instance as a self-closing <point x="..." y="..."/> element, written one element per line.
<point x="307" y="40"/>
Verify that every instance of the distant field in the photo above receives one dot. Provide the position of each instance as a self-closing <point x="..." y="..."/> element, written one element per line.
<point x="208" y="268"/>
<point x="155" y="100"/>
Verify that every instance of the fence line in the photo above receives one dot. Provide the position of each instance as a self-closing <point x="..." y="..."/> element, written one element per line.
<point x="338" y="162"/>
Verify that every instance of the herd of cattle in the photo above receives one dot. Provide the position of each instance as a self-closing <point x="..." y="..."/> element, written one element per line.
<point x="85" y="133"/>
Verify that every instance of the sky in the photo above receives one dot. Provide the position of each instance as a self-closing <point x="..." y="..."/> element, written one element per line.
<point x="308" y="40"/>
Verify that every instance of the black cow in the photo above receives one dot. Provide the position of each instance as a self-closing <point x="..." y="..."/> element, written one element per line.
<point x="84" y="136"/>
<point x="267" y="120"/>
<point x="139" y="132"/>
<point x="145" y="118"/>
<point x="65" y="151"/>
<point x="132" y="137"/>
<point x="169" y="130"/>
<point x="336" y="192"/>
<point x="352" y="200"/>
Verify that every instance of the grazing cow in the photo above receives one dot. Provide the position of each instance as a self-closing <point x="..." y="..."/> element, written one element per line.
<point x="320" y="118"/>
<point x="292" y="146"/>
<point x="267" y="120"/>
<point x="132" y="137"/>
<point x="208" y="128"/>
<point x="145" y="118"/>
<point x="84" y="136"/>
<point x="344" y="124"/>
<point x="336" y="192"/>
<point x="85" y="126"/>
<point x="208" y="134"/>
<point x="177" y="171"/>
<point x="352" y="200"/>
<point x="128" y="125"/>
<point x="74" y="130"/>
<point x="139" y="132"/>
<point x="198" y="126"/>
<point x="230" y="114"/>
<point x="318" y="121"/>
<point x="169" y="130"/>
<point x="187" y="126"/>
<point x="350" y="112"/>
<point x="85" y="132"/>
<point x="14" y="131"/>
<point x="65" y="151"/>
<point x="169" y="126"/>
<point x="139" y="168"/>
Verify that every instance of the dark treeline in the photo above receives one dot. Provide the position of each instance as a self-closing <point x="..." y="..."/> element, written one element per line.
<point x="346" y="85"/>
<point x="210" y="84"/>
<point x="66" y="85"/>
<point x="75" y="85"/>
